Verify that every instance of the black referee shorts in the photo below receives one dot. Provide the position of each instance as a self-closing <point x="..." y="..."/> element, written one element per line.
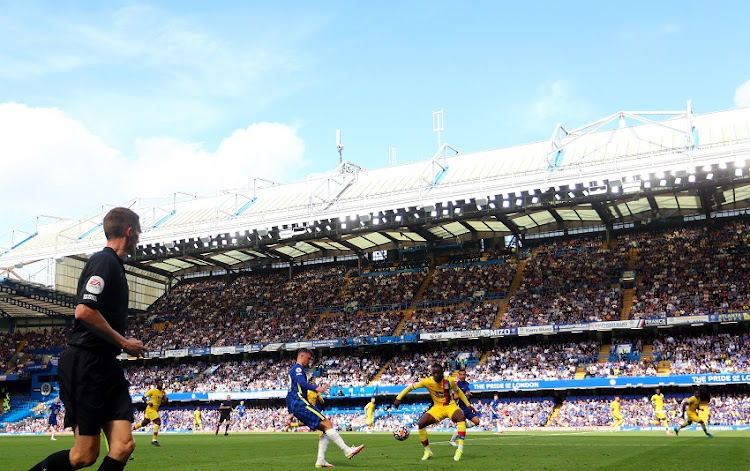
<point x="224" y="418"/>
<point x="94" y="390"/>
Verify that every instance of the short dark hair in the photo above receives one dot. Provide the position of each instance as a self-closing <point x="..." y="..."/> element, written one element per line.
<point x="304" y="350"/>
<point x="439" y="365"/>
<point x="118" y="220"/>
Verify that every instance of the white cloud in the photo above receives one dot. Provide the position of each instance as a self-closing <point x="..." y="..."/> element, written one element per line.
<point x="742" y="95"/>
<point x="51" y="164"/>
<point x="557" y="103"/>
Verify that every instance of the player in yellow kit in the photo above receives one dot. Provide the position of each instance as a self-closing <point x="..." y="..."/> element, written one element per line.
<point x="153" y="399"/>
<point x="197" y="422"/>
<point x="657" y="400"/>
<point x="691" y="406"/>
<point x="370" y="414"/>
<point x="616" y="415"/>
<point x="441" y="391"/>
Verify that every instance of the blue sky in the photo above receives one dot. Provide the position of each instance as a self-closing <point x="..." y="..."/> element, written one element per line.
<point x="101" y="102"/>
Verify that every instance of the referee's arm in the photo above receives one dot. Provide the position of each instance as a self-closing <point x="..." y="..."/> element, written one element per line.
<point x="94" y="319"/>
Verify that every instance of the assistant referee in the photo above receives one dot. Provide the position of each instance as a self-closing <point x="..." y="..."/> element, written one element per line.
<point x="92" y="383"/>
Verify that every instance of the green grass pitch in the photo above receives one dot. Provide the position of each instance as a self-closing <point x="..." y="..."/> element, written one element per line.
<point x="554" y="451"/>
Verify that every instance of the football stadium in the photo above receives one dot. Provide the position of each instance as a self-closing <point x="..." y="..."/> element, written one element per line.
<point x="587" y="285"/>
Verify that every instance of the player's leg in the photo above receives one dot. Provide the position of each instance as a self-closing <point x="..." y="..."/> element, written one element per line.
<point x="460" y="420"/>
<point x="705" y="429"/>
<point x="218" y="426"/>
<point x="142" y="423"/>
<point x="157" y="424"/>
<point x="226" y="426"/>
<point x="425" y="421"/>
<point x="325" y="426"/>
<point x="121" y="445"/>
<point x="323" y="442"/>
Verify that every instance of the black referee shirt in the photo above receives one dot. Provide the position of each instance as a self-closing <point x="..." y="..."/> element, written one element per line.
<point x="102" y="286"/>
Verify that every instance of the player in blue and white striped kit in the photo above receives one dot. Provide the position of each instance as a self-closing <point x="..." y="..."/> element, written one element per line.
<point x="298" y="405"/>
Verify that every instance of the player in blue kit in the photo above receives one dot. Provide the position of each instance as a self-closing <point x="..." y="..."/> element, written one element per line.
<point x="495" y="412"/>
<point x="298" y="405"/>
<point x="472" y="418"/>
<point x="54" y="409"/>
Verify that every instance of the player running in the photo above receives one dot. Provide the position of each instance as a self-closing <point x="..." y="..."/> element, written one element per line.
<point x="443" y="407"/>
<point x="299" y="406"/>
<point x="661" y="417"/>
<point x="472" y="418"/>
<point x="54" y="409"/>
<point x="154" y="398"/>
<point x="691" y="406"/>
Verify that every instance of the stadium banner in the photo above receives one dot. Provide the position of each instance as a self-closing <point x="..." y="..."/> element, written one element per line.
<point x="198" y="351"/>
<point x="735" y="317"/>
<point x="619" y="382"/>
<point x="176" y="353"/>
<point x="536" y="329"/>
<point x="654" y="321"/>
<point x="8" y="377"/>
<point x="221" y="350"/>
<point x="298" y="345"/>
<point x="251" y="348"/>
<point x="582" y="327"/>
<point x="326" y="343"/>
<point x="273" y="347"/>
<point x="682" y="320"/>
<point x="469" y="334"/>
<point x="177" y="397"/>
<point x="242" y="395"/>
<point x="610" y="325"/>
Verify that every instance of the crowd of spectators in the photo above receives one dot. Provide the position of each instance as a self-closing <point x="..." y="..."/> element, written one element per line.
<point x="569" y="281"/>
<point x="462" y="282"/>
<point x="381" y="289"/>
<point x="538" y="361"/>
<point x="704" y="354"/>
<point x="692" y="271"/>
<point x="362" y="323"/>
<point x="467" y="316"/>
<point x="731" y="409"/>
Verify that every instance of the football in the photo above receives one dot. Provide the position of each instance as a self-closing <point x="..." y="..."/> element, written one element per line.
<point x="401" y="433"/>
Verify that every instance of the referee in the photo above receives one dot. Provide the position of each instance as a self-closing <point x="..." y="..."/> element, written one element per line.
<point x="92" y="383"/>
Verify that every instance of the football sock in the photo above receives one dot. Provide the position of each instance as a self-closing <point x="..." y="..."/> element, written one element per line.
<point x="111" y="464"/>
<point x="461" y="434"/>
<point x="59" y="461"/>
<point x="455" y="435"/>
<point x="334" y="436"/>
<point x="705" y="430"/>
<point x="322" y="447"/>
<point x="156" y="431"/>
<point x="423" y="437"/>
<point x="137" y="426"/>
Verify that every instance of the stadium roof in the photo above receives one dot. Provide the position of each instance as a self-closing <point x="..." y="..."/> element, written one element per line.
<point x="627" y="167"/>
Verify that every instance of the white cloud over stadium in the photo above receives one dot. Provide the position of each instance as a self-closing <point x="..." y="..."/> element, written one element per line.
<point x="742" y="95"/>
<point x="54" y="165"/>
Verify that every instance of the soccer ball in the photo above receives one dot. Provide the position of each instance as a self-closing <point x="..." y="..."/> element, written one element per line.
<point x="401" y="433"/>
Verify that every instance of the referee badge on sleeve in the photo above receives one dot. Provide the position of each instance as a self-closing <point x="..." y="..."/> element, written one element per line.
<point x="95" y="285"/>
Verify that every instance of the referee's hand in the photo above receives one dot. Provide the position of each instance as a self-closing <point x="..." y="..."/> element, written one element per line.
<point x="133" y="347"/>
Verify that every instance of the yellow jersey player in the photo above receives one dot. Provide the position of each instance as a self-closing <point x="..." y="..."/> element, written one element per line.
<point x="444" y="407"/>
<point x="616" y="415"/>
<point x="657" y="400"/>
<point x="197" y="422"/>
<point x="370" y="414"/>
<point x="691" y="406"/>
<point x="154" y="398"/>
